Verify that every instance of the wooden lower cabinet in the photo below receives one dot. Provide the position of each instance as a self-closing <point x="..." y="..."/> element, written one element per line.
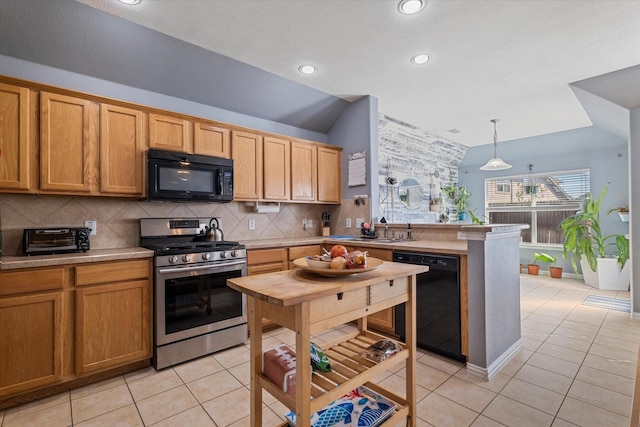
<point x="382" y="321"/>
<point x="31" y="342"/>
<point x="302" y="251"/>
<point x="260" y="261"/>
<point x="71" y="324"/>
<point x="112" y="325"/>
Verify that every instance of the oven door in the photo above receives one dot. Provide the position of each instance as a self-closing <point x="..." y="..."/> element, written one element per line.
<point x="195" y="300"/>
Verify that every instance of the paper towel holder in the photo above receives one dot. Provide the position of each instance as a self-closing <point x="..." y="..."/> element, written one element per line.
<point x="265" y="207"/>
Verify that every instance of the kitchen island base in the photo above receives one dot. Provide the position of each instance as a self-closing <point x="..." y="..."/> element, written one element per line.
<point x="308" y="304"/>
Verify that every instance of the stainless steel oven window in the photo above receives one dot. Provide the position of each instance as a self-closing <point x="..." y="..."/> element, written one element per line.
<point x="195" y="300"/>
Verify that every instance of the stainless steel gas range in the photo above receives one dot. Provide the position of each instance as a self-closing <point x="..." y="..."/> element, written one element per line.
<point x="195" y="312"/>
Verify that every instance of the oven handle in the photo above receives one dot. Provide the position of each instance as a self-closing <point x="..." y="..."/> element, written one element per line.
<point x="200" y="267"/>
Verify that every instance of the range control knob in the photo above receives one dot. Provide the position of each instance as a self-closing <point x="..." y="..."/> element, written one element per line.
<point x="234" y="254"/>
<point x="223" y="254"/>
<point x="186" y="258"/>
<point x="173" y="259"/>
<point x="206" y="256"/>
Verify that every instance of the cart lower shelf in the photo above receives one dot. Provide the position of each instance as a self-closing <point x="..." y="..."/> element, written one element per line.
<point x="348" y="371"/>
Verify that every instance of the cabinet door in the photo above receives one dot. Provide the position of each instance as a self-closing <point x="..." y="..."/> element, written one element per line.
<point x="68" y="139"/>
<point x="30" y="342"/>
<point x="304" y="170"/>
<point x="329" y="175"/>
<point x="210" y="140"/>
<point x="277" y="169"/>
<point x="112" y="325"/>
<point x="121" y="150"/>
<point x="246" y="150"/>
<point x="14" y="137"/>
<point x="169" y="133"/>
<point x="383" y="321"/>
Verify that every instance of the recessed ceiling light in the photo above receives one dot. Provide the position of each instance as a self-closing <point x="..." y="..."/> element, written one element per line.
<point x="130" y="2"/>
<point x="308" y="69"/>
<point x="421" y="58"/>
<point x="409" y="7"/>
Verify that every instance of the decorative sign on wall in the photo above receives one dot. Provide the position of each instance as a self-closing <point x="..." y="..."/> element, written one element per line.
<point x="358" y="169"/>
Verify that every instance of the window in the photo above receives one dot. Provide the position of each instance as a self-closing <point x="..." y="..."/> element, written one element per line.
<point x="542" y="200"/>
<point x="503" y="187"/>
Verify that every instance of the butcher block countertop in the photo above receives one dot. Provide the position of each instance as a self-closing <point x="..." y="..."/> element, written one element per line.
<point x="291" y="287"/>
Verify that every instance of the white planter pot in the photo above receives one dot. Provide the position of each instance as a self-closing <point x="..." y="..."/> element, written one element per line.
<point x="607" y="275"/>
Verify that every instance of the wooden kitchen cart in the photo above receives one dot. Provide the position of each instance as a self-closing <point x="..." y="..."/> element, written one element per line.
<point x="308" y="304"/>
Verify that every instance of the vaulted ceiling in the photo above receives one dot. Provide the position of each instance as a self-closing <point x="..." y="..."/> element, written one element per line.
<point x="506" y="59"/>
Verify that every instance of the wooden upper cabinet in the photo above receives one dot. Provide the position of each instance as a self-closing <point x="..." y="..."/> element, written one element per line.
<point x="68" y="137"/>
<point x="169" y="133"/>
<point x="329" y="175"/>
<point x="14" y="138"/>
<point x="122" y="147"/>
<point x="277" y="169"/>
<point x="210" y="140"/>
<point x="246" y="152"/>
<point x="304" y="171"/>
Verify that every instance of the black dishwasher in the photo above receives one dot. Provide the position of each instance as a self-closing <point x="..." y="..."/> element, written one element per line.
<point x="437" y="304"/>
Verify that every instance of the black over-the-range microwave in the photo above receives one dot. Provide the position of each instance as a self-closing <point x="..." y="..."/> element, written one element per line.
<point x="175" y="176"/>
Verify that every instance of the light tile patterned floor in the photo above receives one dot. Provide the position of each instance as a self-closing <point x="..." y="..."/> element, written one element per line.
<point x="577" y="368"/>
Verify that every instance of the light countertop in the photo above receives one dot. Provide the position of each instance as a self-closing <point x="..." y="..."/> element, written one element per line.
<point x="94" y="255"/>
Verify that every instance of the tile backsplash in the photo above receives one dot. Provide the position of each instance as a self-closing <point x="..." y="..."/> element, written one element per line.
<point x="118" y="223"/>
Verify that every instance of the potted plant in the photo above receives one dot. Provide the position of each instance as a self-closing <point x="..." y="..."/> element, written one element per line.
<point x="534" y="268"/>
<point x="585" y="243"/>
<point x="461" y="202"/>
<point x="554" y="271"/>
<point x="623" y="213"/>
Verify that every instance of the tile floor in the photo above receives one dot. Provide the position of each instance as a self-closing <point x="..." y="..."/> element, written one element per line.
<point x="577" y="368"/>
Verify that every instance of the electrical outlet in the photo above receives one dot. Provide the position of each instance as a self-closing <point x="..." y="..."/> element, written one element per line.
<point x="359" y="222"/>
<point x="305" y="224"/>
<point x="93" y="225"/>
<point x="348" y="223"/>
<point x="309" y="223"/>
<point x="252" y="224"/>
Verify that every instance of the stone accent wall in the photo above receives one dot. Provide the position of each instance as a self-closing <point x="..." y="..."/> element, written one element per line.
<point x="406" y="151"/>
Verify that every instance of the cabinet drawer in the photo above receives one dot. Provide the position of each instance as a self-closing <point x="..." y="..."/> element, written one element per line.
<point x="334" y="305"/>
<point x="261" y="256"/>
<point x="301" y="251"/>
<point x="34" y="280"/>
<point x="387" y="290"/>
<point x="92" y="274"/>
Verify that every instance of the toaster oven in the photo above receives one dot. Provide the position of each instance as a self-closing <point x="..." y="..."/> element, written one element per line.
<point x="48" y="241"/>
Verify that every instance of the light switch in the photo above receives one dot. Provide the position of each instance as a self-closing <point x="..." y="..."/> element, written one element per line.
<point x="348" y="223"/>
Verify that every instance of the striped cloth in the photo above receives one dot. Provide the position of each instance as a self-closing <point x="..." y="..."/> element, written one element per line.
<point x="608" y="303"/>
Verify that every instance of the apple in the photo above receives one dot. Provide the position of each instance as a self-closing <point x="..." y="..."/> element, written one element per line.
<point x="338" y="251"/>
<point x="338" y="263"/>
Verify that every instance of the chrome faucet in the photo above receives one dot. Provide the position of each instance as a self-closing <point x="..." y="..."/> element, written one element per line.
<point x="386" y="231"/>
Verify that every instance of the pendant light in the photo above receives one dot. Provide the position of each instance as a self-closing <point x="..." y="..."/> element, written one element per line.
<point x="496" y="163"/>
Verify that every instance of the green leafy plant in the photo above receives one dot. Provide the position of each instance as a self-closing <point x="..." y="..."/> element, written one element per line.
<point x="544" y="257"/>
<point x="462" y="199"/>
<point x="458" y="195"/>
<point x="583" y="235"/>
<point x="475" y="219"/>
